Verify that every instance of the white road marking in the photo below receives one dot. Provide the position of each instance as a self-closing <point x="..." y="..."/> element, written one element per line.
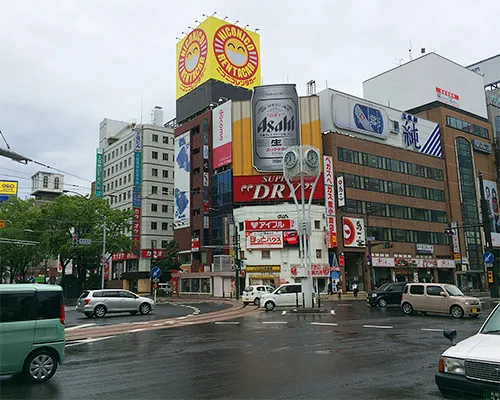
<point x="274" y="322"/>
<point x="137" y="330"/>
<point x="88" y="340"/>
<point x="79" y="327"/>
<point x="324" y="323"/>
<point x="283" y="313"/>
<point x="431" y="330"/>
<point x="226" y="323"/>
<point x="332" y="312"/>
<point x="378" y="326"/>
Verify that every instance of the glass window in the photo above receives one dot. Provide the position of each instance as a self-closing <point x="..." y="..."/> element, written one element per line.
<point x="317" y="224"/>
<point x="165" y="156"/>
<point x="45" y="181"/>
<point x="348" y="156"/>
<point x="164" y="208"/>
<point x="127" y="295"/>
<point x="154" y="189"/>
<point x="154" y="155"/>
<point x="165" y="173"/>
<point x="56" y="183"/>
<point x="318" y="253"/>
<point x="395" y="166"/>
<point x="372" y="161"/>
<point x="434" y="290"/>
<point x="154" y="172"/>
<point x="165" y="139"/>
<point x="164" y="226"/>
<point x="154" y="225"/>
<point x="154" y="207"/>
<point x="417" y="289"/>
<point x="265" y="254"/>
<point x="15" y="307"/>
<point x="155" y="137"/>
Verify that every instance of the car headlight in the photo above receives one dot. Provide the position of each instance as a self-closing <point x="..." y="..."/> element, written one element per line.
<point x="467" y="302"/>
<point x="452" y="365"/>
<point x="374" y="294"/>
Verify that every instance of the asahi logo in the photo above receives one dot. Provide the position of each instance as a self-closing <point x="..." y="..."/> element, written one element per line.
<point x="285" y="124"/>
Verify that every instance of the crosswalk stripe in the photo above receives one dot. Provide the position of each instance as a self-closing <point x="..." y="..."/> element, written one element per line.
<point x="378" y="326"/>
<point x="324" y="323"/>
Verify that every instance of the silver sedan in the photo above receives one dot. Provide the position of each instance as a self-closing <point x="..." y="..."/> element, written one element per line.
<point x="100" y="302"/>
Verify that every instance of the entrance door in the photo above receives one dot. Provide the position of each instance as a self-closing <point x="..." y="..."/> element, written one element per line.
<point x="134" y="287"/>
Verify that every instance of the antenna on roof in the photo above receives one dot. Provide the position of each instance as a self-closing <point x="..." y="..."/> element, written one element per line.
<point x="409" y="51"/>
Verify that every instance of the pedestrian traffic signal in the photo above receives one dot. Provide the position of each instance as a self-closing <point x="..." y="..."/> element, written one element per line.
<point x="490" y="276"/>
<point x="74" y="239"/>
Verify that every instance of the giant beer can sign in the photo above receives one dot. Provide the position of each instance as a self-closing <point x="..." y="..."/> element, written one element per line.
<point x="275" y="125"/>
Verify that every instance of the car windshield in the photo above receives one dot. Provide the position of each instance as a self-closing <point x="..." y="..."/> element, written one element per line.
<point x="384" y="286"/>
<point x="248" y="288"/>
<point x="453" y="290"/>
<point x="492" y="326"/>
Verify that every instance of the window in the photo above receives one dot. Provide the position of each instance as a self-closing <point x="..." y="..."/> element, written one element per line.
<point x="196" y="211"/>
<point x="130" y="145"/>
<point x="318" y="253"/>
<point x="196" y="171"/>
<point x="113" y="169"/>
<point x="120" y="181"/>
<point x="154" y="207"/>
<point x="120" y="197"/>
<point x="164" y="208"/>
<point x="165" y="139"/>
<point x="121" y="165"/>
<point x="127" y="295"/>
<point x="154" y="189"/>
<point x="155" y="138"/>
<point x="45" y="181"/>
<point x="317" y="224"/>
<point x="165" y="173"/>
<point x="164" y="226"/>
<point x="203" y="257"/>
<point x="129" y="194"/>
<point x="196" y="151"/>
<point x="129" y="177"/>
<point x="154" y="155"/>
<point x="164" y="190"/>
<point x="56" y="183"/>
<point x="417" y="289"/>
<point x="17" y="307"/>
<point x="467" y="127"/>
<point x="129" y="161"/>
<point x="154" y="172"/>
<point x="154" y="225"/>
<point x="434" y="290"/>
<point x="164" y="244"/>
<point x="49" y="305"/>
<point x="165" y="156"/>
<point x="265" y="254"/>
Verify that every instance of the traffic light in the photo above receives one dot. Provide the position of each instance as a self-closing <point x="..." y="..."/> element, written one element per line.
<point x="387" y="245"/>
<point x="490" y="276"/>
<point x="74" y="237"/>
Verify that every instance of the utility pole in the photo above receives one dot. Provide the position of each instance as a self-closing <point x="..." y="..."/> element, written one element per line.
<point x="237" y="262"/>
<point x="103" y="251"/>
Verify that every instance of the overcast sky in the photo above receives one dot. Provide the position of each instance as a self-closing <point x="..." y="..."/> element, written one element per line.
<point x="67" y="64"/>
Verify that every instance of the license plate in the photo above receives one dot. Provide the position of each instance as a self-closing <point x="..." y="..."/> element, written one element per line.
<point x="490" y="395"/>
<point x="474" y="310"/>
<point x="246" y="299"/>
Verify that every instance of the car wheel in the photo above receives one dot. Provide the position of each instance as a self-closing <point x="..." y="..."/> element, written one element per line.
<point x="257" y="301"/>
<point x="457" y="312"/>
<point x="145" y="309"/>
<point x="100" y="311"/>
<point x="407" y="308"/>
<point x="474" y="315"/>
<point x="40" y="366"/>
<point x="270" y="306"/>
<point x="382" y="303"/>
<point x="89" y="314"/>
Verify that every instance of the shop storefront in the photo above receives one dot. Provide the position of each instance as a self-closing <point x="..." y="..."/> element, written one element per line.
<point x="390" y="269"/>
<point x="263" y="275"/>
<point x="319" y="272"/>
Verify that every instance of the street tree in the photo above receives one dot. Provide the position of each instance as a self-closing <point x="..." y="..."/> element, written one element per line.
<point x="85" y="217"/>
<point x="19" y="250"/>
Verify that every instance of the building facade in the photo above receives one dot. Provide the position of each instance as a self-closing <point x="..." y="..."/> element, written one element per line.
<point x="46" y="187"/>
<point x="135" y="172"/>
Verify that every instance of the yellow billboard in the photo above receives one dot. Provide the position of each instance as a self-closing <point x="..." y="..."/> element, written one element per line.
<point x="8" y="188"/>
<point x="217" y="50"/>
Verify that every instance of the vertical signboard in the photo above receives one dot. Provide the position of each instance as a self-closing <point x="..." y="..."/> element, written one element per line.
<point x="340" y="191"/>
<point x="98" y="172"/>
<point x="182" y="181"/>
<point x="137" y="194"/>
<point x="492" y="198"/>
<point x="222" y="135"/>
<point x="330" y="201"/>
<point x="275" y="119"/>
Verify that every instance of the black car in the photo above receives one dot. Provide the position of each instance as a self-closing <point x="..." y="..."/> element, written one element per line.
<point x="388" y="293"/>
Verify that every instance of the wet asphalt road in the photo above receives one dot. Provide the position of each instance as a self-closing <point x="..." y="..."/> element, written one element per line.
<point x="161" y="311"/>
<point x="370" y="354"/>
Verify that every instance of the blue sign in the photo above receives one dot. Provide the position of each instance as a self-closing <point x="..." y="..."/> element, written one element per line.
<point x="31" y="279"/>
<point x="4" y="197"/>
<point x="137" y="168"/>
<point x="368" y="119"/>
<point x="488" y="257"/>
<point x="155" y="272"/>
<point x="136" y="198"/>
<point x="335" y="275"/>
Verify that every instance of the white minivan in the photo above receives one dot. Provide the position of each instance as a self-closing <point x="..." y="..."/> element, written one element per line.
<point x="287" y="295"/>
<point x="471" y="368"/>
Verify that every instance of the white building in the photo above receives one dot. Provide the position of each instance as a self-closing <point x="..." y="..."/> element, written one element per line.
<point x="135" y="171"/>
<point x="272" y="256"/>
<point x="46" y="186"/>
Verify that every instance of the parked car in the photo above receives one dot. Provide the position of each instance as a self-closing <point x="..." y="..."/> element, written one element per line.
<point x="439" y="298"/>
<point x="284" y="296"/>
<point x="253" y="293"/>
<point x="100" y="302"/>
<point x="471" y="369"/>
<point x="31" y="330"/>
<point x="388" y="293"/>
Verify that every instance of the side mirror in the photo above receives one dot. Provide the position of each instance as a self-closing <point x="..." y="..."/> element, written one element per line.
<point x="451" y="335"/>
<point x="442" y="294"/>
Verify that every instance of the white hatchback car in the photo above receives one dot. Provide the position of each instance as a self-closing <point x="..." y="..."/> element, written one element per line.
<point x="471" y="369"/>
<point x="288" y="295"/>
<point x="253" y="293"/>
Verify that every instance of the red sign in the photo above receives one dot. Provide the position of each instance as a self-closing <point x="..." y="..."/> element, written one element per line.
<point x="271" y="188"/>
<point x="175" y="285"/>
<point x="269" y="225"/>
<point x="293" y="270"/>
<point x="137" y="214"/>
<point x="332" y="233"/>
<point x="156" y="253"/>
<point x="341" y="261"/>
<point x="120" y="256"/>
<point x="136" y="242"/>
<point x="136" y="228"/>
<point x="106" y="272"/>
<point x="195" y="244"/>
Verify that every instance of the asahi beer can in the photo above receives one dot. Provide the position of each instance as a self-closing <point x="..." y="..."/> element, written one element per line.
<point x="275" y="125"/>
